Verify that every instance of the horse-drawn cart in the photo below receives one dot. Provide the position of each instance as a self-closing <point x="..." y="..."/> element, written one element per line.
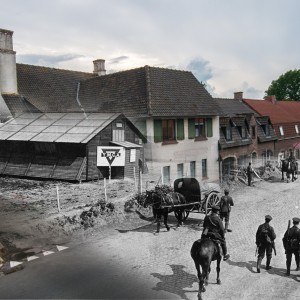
<point x="197" y="200"/>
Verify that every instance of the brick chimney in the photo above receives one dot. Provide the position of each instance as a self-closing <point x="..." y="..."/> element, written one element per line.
<point x="99" y="67"/>
<point x="8" y="73"/>
<point x="271" y="99"/>
<point x="238" y="96"/>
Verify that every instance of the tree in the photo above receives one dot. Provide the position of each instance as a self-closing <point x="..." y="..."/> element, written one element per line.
<point x="286" y="87"/>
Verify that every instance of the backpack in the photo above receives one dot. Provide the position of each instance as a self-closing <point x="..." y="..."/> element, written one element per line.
<point x="264" y="236"/>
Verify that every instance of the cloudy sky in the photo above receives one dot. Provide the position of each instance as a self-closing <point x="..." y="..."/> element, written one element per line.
<point x="231" y="45"/>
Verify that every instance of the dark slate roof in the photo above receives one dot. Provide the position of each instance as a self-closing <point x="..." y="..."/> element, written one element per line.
<point x="262" y="137"/>
<point x="49" y="89"/>
<point x="232" y="107"/>
<point x="138" y="92"/>
<point x="18" y="104"/>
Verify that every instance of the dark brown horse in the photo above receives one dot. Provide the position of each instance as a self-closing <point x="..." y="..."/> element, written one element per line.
<point x="290" y="167"/>
<point x="203" y="252"/>
<point x="163" y="204"/>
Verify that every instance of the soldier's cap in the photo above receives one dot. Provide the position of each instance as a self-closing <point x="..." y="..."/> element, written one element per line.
<point x="226" y="191"/>
<point x="215" y="207"/>
<point x="296" y="220"/>
<point x="268" y="217"/>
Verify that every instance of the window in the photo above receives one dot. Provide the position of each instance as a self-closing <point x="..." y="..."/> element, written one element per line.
<point x="253" y="132"/>
<point x="266" y="129"/>
<point x="204" y="168"/>
<point x="227" y="133"/>
<point x="297" y="129"/>
<point x="166" y="175"/>
<point x="179" y="170"/>
<point x="243" y="132"/>
<point x="168" y="129"/>
<point x="193" y="168"/>
<point x="200" y="128"/>
<point x="281" y="130"/>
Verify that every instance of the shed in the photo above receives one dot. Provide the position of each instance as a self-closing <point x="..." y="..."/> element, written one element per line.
<point x="63" y="146"/>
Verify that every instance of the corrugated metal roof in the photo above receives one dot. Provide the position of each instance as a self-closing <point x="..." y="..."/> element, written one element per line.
<point x="127" y="144"/>
<point x="56" y="127"/>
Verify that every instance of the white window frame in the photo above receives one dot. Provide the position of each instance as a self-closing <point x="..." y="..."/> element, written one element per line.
<point x="297" y="129"/>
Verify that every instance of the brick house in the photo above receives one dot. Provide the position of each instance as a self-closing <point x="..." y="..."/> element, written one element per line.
<point x="285" y="117"/>
<point x="244" y="135"/>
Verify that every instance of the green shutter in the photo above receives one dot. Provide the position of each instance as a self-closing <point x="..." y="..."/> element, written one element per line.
<point x="157" y="131"/>
<point x="180" y="129"/>
<point x="209" y="127"/>
<point x="191" y="128"/>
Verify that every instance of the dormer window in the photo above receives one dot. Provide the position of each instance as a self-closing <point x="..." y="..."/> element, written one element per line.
<point x="297" y="129"/>
<point x="243" y="132"/>
<point x="266" y="129"/>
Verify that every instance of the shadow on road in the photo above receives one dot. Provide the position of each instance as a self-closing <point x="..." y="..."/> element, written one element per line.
<point x="177" y="282"/>
<point x="251" y="266"/>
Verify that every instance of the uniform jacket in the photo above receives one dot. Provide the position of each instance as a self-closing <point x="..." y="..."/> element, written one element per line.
<point x="214" y="225"/>
<point x="249" y="171"/>
<point x="226" y="203"/>
<point x="291" y="238"/>
<point x="271" y="233"/>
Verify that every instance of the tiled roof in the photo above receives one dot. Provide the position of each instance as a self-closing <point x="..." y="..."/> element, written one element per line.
<point x="142" y="91"/>
<point x="279" y="112"/>
<point x="49" y="89"/>
<point x="18" y="104"/>
<point x="261" y="135"/>
<point x="232" y="107"/>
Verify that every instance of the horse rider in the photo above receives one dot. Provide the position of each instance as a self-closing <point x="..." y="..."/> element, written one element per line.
<point x="265" y="236"/>
<point x="249" y="173"/>
<point x="291" y="244"/>
<point x="225" y="207"/>
<point x="291" y="157"/>
<point x="213" y="228"/>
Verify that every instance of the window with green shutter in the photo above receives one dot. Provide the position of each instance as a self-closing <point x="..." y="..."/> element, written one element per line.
<point x="209" y="127"/>
<point x="191" y="128"/>
<point x="180" y="129"/>
<point x="157" y="131"/>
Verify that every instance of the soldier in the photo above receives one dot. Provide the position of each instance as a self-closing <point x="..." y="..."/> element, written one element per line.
<point x="249" y="173"/>
<point x="225" y="208"/>
<point x="291" y="244"/>
<point x="213" y="228"/>
<point x="265" y="236"/>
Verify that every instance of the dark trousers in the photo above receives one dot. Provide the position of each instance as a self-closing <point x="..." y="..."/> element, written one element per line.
<point x="262" y="250"/>
<point x="249" y="180"/>
<point x="289" y="254"/>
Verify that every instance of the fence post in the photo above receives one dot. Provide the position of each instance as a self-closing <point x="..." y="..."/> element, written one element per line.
<point x="57" y="196"/>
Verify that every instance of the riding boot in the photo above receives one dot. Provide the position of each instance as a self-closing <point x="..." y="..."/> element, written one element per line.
<point x="268" y="267"/>
<point x="297" y="258"/>
<point x="259" y="259"/>
<point x="224" y="249"/>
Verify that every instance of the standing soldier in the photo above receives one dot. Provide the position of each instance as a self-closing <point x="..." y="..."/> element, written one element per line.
<point x="265" y="236"/>
<point x="291" y="244"/>
<point x="249" y="173"/>
<point x="225" y="208"/>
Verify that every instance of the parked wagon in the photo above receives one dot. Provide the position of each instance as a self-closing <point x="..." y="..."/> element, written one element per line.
<point x="197" y="200"/>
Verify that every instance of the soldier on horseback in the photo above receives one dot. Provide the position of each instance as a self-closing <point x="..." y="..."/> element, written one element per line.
<point x="213" y="228"/>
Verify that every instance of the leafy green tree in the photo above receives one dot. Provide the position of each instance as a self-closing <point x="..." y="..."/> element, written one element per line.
<point x="286" y="87"/>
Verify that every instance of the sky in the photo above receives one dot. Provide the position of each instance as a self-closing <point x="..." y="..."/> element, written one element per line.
<point x="231" y="45"/>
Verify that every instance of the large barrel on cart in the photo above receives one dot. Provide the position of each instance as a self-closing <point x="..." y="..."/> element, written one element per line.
<point x="197" y="200"/>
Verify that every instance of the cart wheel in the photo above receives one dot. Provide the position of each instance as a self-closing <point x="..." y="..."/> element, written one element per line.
<point x="212" y="199"/>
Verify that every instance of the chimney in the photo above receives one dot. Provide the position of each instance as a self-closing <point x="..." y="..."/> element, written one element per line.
<point x="99" y="67"/>
<point x="238" y="96"/>
<point x="8" y="73"/>
<point x="271" y="99"/>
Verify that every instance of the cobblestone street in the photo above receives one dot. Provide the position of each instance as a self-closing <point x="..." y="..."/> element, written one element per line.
<point x="164" y="264"/>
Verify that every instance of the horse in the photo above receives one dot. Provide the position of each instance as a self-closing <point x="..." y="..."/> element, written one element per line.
<point x="203" y="252"/>
<point x="291" y="168"/>
<point x="159" y="201"/>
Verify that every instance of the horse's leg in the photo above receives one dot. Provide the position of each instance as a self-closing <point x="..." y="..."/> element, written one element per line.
<point x="165" y="212"/>
<point x="201" y="281"/>
<point x="179" y="217"/>
<point x="282" y="175"/>
<point x="218" y="270"/>
<point x="158" y="218"/>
